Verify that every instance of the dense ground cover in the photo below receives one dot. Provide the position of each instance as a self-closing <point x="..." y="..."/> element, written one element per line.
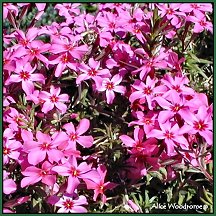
<point x="107" y="108"/>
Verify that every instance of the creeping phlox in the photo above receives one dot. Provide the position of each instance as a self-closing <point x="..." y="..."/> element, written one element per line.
<point x="111" y="52"/>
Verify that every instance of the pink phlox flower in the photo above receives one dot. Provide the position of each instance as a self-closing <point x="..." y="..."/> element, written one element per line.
<point x="64" y="45"/>
<point x="171" y="12"/>
<point x="24" y="73"/>
<point x="91" y="71"/>
<point x="199" y="122"/>
<point x="83" y="23"/>
<point x="11" y="147"/>
<point x="108" y="22"/>
<point x="63" y="61"/>
<point x="7" y="99"/>
<point x="34" y="174"/>
<point x="112" y="86"/>
<point x="99" y="185"/>
<point x="169" y="132"/>
<point x="146" y="91"/>
<point x="9" y="7"/>
<point x="24" y="39"/>
<point x="200" y="24"/>
<point x="198" y="9"/>
<point x="68" y="204"/>
<point x="9" y="186"/>
<point x="54" y="99"/>
<point x="33" y="51"/>
<point x="176" y="84"/>
<point x="68" y="10"/>
<point x="145" y="120"/>
<point x="75" y="135"/>
<point x="155" y="62"/>
<point x="172" y="105"/>
<point x="75" y="172"/>
<point x="45" y="146"/>
<point x="15" y="119"/>
<point x="9" y="63"/>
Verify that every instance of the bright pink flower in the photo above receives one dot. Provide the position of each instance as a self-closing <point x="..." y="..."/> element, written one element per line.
<point x="91" y="71"/>
<point x="75" y="135"/>
<point x="74" y="173"/>
<point x="9" y="8"/>
<point x="9" y="186"/>
<point x="69" y="205"/>
<point x="11" y="147"/>
<point x="171" y="136"/>
<point x="200" y="122"/>
<point x="34" y="174"/>
<point x="172" y="105"/>
<point x="146" y="91"/>
<point x="54" y="99"/>
<point x="63" y="61"/>
<point x="44" y="146"/>
<point x="198" y="9"/>
<point x="111" y="86"/>
<point x="145" y="120"/>
<point x="99" y="185"/>
<point x="25" y="75"/>
<point x="201" y="24"/>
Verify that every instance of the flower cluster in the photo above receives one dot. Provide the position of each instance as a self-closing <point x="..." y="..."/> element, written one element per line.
<point x="116" y="54"/>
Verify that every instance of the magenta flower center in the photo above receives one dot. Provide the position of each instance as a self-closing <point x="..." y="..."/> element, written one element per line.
<point x="54" y="98"/>
<point x="34" y="51"/>
<point x="170" y="11"/>
<point x="168" y="135"/>
<point x="147" y="90"/>
<point x="6" y="151"/>
<point x="202" y="23"/>
<point x="109" y="85"/>
<point x="44" y="172"/>
<point x="68" y="204"/>
<point x="45" y="146"/>
<point x="24" y="42"/>
<point x="195" y="6"/>
<point x="74" y="172"/>
<point x="101" y="188"/>
<point x="73" y="136"/>
<point x="92" y="72"/>
<point x="177" y="88"/>
<point x="24" y="75"/>
<point x="200" y="125"/>
<point x="176" y="108"/>
<point x="112" y="25"/>
<point x="64" y="59"/>
<point x="147" y="121"/>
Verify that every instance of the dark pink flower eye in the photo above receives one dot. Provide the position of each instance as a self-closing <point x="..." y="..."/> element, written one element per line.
<point x="170" y="11"/>
<point x="24" y="75"/>
<point x="34" y="51"/>
<point x="200" y="125"/>
<point x="68" y="204"/>
<point x="176" y="108"/>
<point x="92" y="72"/>
<point x="45" y="146"/>
<point x="147" y="90"/>
<point x="168" y="135"/>
<point x="73" y="136"/>
<point x="202" y="23"/>
<point x="64" y="59"/>
<point x="54" y="99"/>
<point x="109" y="85"/>
<point x="6" y="151"/>
<point x="75" y="172"/>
